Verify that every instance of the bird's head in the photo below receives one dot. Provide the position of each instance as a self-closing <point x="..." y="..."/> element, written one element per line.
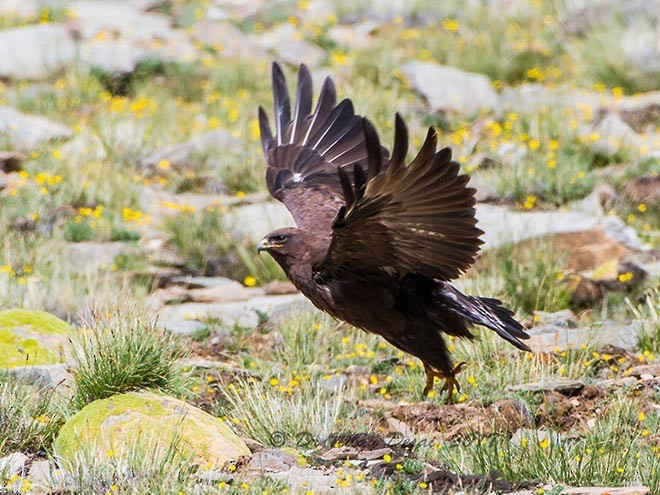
<point x="294" y="247"/>
<point x="282" y="242"/>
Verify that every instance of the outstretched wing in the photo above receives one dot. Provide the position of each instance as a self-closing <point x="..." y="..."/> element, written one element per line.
<point x="406" y="219"/>
<point x="308" y="148"/>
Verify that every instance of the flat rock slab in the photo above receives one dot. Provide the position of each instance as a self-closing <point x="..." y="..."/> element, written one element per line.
<point x="447" y="89"/>
<point x="550" y="337"/>
<point x="35" y="52"/>
<point x="250" y="313"/>
<point x="502" y="226"/>
<point x="562" y="386"/>
<point x="26" y="132"/>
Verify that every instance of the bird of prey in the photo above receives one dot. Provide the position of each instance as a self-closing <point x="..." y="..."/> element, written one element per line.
<point x="377" y="240"/>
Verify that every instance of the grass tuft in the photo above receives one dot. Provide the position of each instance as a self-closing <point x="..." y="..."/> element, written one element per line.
<point x="120" y="354"/>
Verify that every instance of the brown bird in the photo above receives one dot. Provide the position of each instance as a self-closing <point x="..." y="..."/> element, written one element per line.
<point x="376" y="240"/>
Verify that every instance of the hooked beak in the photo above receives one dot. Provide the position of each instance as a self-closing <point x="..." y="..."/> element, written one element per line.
<point x="264" y="245"/>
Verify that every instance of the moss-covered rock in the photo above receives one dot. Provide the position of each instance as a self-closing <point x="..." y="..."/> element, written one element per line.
<point x="149" y="423"/>
<point x="31" y="338"/>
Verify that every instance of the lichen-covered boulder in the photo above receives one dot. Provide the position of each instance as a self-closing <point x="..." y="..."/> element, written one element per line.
<point x="31" y="338"/>
<point x="117" y="426"/>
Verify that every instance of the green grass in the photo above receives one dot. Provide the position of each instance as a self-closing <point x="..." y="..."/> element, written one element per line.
<point x="121" y="354"/>
<point x="30" y="416"/>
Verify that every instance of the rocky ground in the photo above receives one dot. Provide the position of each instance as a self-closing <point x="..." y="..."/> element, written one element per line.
<point x="148" y="349"/>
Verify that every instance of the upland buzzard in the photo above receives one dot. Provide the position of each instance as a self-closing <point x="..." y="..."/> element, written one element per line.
<point x="376" y="240"/>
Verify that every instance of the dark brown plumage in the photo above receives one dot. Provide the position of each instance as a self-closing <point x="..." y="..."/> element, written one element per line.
<point x="376" y="240"/>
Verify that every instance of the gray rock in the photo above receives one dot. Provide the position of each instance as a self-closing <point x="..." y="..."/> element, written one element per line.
<point x="641" y="45"/>
<point x="227" y="39"/>
<point x="353" y="36"/>
<point x="271" y="461"/>
<point x="13" y="464"/>
<point x="236" y="10"/>
<point x="335" y="383"/>
<point x="343" y="453"/>
<point x="184" y="328"/>
<point x="614" y="134"/>
<point x="533" y="97"/>
<point x="301" y="479"/>
<point x="112" y="56"/>
<point x="202" y="282"/>
<point x="41" y="475"/>
<point x="617" y="230"/>
<point x="88" y="257"/>
<point x="502" y="226"/>
<point x="565" y="317"/>
<point x="581" y="16"/>
<point x="563" y="386"/>
<point x="35" y="52"/>
<point x="244" y="313"/>
<point x="126" y="21"/>
<point x="198" y="149"/>
<point x="253" y="222"/>
<point x="19" y="9"/>
<point x="288" y="44"/>
<point x="85" y="146"/>
<point x="548" y="338"/>
<point x="47" y="375"/>
<point x="448" y="89"/>
<point x="26" y="132"/>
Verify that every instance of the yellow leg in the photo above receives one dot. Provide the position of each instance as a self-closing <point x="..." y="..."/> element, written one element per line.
<point x="450" y="384"/>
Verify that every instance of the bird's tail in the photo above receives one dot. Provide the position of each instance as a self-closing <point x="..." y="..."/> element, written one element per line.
<point x="485" y="311"/>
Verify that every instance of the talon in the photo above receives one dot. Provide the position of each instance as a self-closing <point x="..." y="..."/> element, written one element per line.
<point x="450" y="384"/>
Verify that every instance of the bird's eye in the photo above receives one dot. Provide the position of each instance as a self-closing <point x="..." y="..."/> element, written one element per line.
<point x="278" y="238"/>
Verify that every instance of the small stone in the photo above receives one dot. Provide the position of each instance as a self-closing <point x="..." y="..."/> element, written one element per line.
<point x="650" y="370"/>
<point x="13" y="464"/>
<point x="184" y="328"/>
<point x="564" y="318"/>
<point x="231" y="41"/>
<point x="26" y="132"/>
<point x="289" y="45"/>
<point x="343" y="453"/>
<point x="53" y="375"/>
<point x="372" y="455"/>
<point x="271" y="461"/>
<point x="41" y="473"/>
<point x="202" y="282"/>
<point x="335" y="383"/>
<point x="279" y="287"/>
